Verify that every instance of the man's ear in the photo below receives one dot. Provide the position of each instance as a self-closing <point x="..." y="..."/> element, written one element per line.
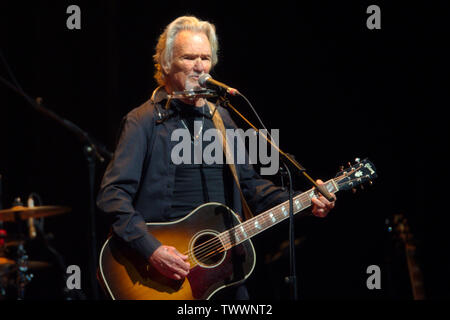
<point x="166" y="68"/>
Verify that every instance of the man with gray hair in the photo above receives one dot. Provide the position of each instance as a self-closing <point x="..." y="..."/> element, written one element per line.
<point x="141" y="183"/>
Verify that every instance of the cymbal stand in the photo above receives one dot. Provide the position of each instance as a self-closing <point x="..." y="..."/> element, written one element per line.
<point x="23" y="277"/>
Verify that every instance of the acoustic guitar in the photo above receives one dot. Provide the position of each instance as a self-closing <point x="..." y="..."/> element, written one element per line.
<point x="217" y="243"/>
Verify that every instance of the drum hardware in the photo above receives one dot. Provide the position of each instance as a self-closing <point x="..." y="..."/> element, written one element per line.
<point x="6" y="268"/>
<point x="17" y="213"/>
<point x="15" y="266"/>
<point x="6" y="265"/>
<point x="23" y="276"/>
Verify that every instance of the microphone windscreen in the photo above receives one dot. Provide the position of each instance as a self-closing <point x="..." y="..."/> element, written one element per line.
<point x="202" y="79"/>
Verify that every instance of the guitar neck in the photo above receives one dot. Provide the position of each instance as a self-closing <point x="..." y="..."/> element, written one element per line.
<point x="269" y="218"/>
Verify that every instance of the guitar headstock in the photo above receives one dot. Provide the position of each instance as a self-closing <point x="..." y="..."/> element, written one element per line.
<point x="357" y="174"/>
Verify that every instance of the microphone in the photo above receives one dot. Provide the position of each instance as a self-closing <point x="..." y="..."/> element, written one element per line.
<point x="205" y="80"/>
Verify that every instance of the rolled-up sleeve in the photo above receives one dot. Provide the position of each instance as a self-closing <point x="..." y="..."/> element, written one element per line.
<point x="120" y="185"/>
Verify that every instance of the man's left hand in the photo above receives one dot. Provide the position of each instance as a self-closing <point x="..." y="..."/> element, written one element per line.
<point x="321" y="206"/>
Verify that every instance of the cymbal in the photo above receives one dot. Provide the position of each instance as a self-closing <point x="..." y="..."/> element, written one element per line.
<point x="23" y="213"/>
<point x="12" y="243"/>
<point x="6" y="263"/>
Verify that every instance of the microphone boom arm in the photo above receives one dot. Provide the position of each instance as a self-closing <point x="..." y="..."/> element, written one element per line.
<point x="290" y="159"/>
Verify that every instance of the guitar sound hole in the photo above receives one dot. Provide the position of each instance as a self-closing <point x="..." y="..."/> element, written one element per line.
<point x="208" y="250"/>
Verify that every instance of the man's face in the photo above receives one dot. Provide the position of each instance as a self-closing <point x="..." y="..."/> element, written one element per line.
<point x="191" y="58"/>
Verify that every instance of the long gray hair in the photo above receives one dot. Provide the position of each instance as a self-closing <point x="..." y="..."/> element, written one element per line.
<point x="164" y="47"/>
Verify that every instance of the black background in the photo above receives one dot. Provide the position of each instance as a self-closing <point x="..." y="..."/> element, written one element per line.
<point x="334" y="88"/>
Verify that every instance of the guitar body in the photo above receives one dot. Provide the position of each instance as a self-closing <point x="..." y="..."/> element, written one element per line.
<point x="125" y="275"/>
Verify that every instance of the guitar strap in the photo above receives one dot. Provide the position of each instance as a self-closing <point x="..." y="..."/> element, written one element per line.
<point x="218" y="123"/>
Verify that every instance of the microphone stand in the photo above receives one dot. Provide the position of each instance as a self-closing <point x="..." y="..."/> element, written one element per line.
<point x="92" y="151"/>
<point x="287" y="159"/>
<point x="292" y="278"/>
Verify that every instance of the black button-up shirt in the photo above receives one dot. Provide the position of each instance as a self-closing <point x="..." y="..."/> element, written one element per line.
<point x="138" y="184"/>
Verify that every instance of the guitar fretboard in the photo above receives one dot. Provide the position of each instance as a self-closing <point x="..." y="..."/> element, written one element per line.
<point x="269" y="218"/>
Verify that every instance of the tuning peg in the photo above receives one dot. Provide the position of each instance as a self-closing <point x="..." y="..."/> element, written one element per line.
<point x="354" y="190"/>
<point x="362" y="187"/>
<point x="357" y="160"/>
<point x="341" y="168"/>
<point x="370" y="182"/>
<point x="349" y="164"/>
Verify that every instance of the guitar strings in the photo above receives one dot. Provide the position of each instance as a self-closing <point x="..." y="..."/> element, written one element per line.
<point x="216" y="245"/>
<point x="216" y="248"/>
<point x="214" y="241"/>
<point x="213" y="248"/>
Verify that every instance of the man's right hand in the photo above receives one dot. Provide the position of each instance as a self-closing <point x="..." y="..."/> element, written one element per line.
<point x="169" y="262"/>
